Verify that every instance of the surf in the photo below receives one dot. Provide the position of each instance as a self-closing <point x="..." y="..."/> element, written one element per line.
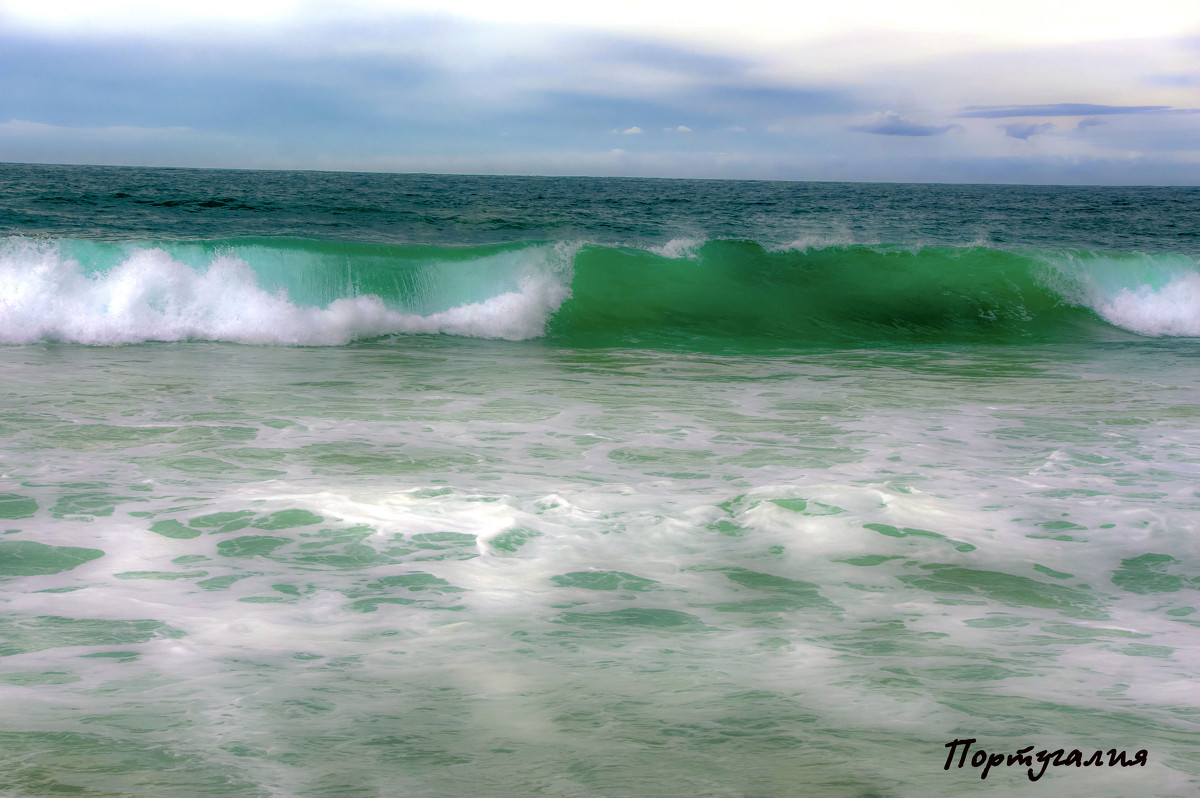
<point x="687" y="292"/>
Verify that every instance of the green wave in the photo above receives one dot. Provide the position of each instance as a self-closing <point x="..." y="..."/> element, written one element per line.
<point x="741" y="291"/>
<point x="721" y="293"/>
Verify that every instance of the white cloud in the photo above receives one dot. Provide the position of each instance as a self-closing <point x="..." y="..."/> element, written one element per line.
<point x="631" y="131"/>
<point x="679" y="129"/>
<point x="746" y="26"/>
<point x="122" y="16"/>
<point x="21" y="128"/>
<point x="124" y="145"/>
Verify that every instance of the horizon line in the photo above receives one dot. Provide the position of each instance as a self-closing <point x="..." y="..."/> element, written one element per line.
<point x="604" y="177"/>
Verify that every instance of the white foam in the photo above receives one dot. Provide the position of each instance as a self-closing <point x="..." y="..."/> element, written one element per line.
<point x="1150" y="295"/>
<point x="815" y="241"/>
<point x="150" y="296"/>
<point x="680" y="248"/>
<point x="1173" y="309"/>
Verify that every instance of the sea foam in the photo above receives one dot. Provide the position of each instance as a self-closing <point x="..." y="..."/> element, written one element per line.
<point x="1173" y="310"/>
<point x="150" y="296"/>
<point x="1155" y="296"/>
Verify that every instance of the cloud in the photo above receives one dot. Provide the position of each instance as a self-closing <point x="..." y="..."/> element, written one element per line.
<point x="1057" y="109"/>
<point x="749" y="96"/>
<point x="406" y="90"/>
<point x="894" y="124"/>
<point x="1021" y="130"/>
<point x="1173" y="81"/>
<point x="22" y="127"/>
<point x="1141" y="135"/>
<point x="23" y="141"/>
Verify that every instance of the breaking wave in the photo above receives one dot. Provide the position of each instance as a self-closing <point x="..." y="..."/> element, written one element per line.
<point x="289" y="292"/>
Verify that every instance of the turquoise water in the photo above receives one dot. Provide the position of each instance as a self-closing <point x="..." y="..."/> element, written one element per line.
<point x="371" y="485"/>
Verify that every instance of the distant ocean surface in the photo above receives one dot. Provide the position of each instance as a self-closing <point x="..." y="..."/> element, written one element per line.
<point x="364" y="485"/>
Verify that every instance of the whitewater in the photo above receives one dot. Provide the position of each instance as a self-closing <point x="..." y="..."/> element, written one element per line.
<point x="318" y="484"/>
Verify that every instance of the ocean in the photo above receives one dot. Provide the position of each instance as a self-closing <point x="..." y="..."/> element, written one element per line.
<point x="330" y="484"/>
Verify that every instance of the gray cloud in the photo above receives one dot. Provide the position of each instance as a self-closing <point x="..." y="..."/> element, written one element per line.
<point x="894" y="124"/>
<point x="1021" y="130"/>
<point x="1057" y="109"/>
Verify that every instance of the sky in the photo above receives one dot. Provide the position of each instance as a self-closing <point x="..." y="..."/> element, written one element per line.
<point x="979" y="91"/>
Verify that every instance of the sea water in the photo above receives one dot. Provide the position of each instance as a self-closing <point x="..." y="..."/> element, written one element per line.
<point x="357" y="485"/>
